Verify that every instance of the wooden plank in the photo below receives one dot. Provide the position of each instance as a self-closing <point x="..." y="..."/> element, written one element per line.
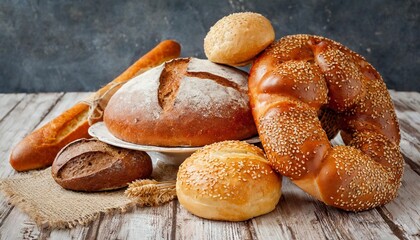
<point x="12" y="129"/>
<point x="8" y="103"/>
<point x="293" y="218"/>
<point x="79" y="232"/>
<point x="18" y="226"/>
<point x="15" y="222"/>
<point x="23" y="119"/>
<point x="299" y="216"/>
<point x="140" y="223"/>
<point x="407" y="105"/>
<point x="189" y="226"/>
<point x="147" y="223"/>
<point x="338" y="224"/>
<point x="25" y="228"/>
<point x="406" y="100"/>
<point x="403" y="213"/>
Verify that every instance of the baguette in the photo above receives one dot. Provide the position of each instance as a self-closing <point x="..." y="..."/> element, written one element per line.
<point x="39" y="148"/>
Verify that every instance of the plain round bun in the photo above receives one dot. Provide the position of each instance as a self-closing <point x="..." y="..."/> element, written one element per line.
<point x="183" y="102"/>
<point x="229" y="181"/>
<point x="236" y="39"/>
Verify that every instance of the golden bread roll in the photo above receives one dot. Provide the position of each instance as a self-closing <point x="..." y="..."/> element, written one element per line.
<point x="228" y="180"/>
<point x="236" y="39"/>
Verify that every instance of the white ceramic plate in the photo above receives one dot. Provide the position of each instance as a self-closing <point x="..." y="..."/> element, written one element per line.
<point x="171" y="155"/>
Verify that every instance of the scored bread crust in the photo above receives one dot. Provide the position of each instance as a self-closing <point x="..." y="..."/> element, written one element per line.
<point x="184" y="102"/>
<point x="230" y="180"/>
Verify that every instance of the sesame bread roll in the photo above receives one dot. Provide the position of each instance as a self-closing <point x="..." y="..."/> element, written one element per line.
<point x="228" y="180"/>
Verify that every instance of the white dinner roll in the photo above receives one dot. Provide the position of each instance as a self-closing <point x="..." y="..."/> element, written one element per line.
<point x="228" y="180"/>
<point x="237" y="38"/>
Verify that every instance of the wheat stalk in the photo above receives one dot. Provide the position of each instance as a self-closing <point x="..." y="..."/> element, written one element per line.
<point x="149" y="192"/>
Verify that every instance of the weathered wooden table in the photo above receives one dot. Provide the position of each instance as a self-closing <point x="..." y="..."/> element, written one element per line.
<point x="297" y="216"/>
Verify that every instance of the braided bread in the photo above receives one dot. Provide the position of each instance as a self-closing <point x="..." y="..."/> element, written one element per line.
<point x="295" y="80"/>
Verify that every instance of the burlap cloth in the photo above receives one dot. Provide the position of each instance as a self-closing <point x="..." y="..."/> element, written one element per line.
<point x="49" y="205"/>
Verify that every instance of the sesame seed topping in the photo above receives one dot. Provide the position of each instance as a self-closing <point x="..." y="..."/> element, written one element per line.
<point x="301" y="77"/>
<point x="218" y="171"/>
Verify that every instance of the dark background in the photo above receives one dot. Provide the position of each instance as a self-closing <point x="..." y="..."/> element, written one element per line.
<point x="57" y="45"/>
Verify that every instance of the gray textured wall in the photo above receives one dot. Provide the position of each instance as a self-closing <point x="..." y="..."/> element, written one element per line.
<point x="57" y="45"/>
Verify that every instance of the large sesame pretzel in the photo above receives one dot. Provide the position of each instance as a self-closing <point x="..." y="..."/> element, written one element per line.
<point x="296" y="79"/>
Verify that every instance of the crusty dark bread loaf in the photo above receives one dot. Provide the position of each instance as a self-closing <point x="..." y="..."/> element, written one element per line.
<point x="39" y="148"/>
<point x="184" y="102"/>
<point x="91" y="165"/>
